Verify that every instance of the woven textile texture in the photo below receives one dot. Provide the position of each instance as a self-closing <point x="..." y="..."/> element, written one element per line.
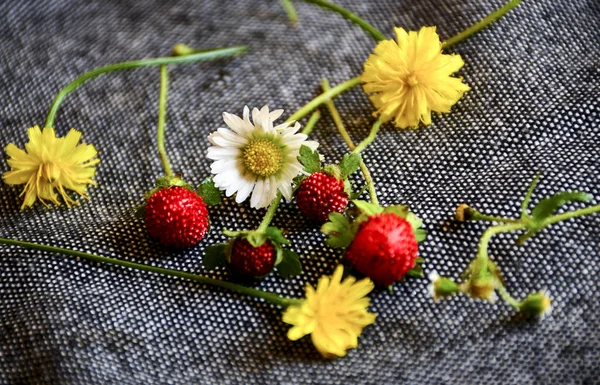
<point x="533" y="105"/>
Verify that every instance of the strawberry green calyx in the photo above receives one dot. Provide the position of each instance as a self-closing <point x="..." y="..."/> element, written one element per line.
<point x="254" y="253"/>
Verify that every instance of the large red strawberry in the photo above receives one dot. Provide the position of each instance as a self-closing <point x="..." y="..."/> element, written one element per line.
<point x="252" y="261"/>
<point x="384" y="248"/>
<point x="321" y="194"/>
<point x="176" y="216"/>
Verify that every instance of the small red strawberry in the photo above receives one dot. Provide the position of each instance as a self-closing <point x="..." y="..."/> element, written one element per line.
<point x="176" y="216"/>
<point x="321" y="194"/>
<point x="252" y="261"/>
<point x="384" y="248"/>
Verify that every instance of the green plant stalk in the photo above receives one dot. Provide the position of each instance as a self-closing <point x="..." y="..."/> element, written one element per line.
<point x="270" y="213"/>
<point x="324" y="97"/>
<point x="270" y="297"/>
<point x="346" y="14"/>
<point x="344" y="134"/>
<point x="497" y="14"/>
<point x="528" y="195"/>
<point x="569" y="215"/>
<point x="200" y="56"/>
<point x="312" y="121"/>
<point x="290" y="10"/>
<point x="369" y="139"/>
<point x="482" y="253"/>
<point x="508" y="298"/>
<point x="477" y="216"/>
<point x="162" y="107"/>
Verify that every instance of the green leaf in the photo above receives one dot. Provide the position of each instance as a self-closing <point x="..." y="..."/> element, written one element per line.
<point x="420" y="235"/>
<point x="310" y="159"/>
<point x="209" y="192"/>
<point x="349" y="164"/>
<point x="290" y="264"/>
<point x="339" y="231"/>
<point x="528" y="195"/>
<point x="275" y="235"/>
<point x="368" y="208"/>
<point x="548" y="206"/>
<point x="214" y="256"/>
<point x="400" y="210"/>
<point x="414" y="221"/>
<point x="415" y="272"/>
<point x="357" y="194"/>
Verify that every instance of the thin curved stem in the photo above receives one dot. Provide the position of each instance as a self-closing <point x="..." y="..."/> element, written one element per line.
<point x="346" y="14"/>
<point x="271" y="297"/>
<point x="344" y="134"/>
<point x="369" y="139"/>
<point x="570" y="214"/>
<point x="508" y="298"/>
<point x="270" y="213"/>
<point x="324" y="97"/>
<point x="290" y="10"/>
<point x="314" y="118"/>
<point x="492" y="17"/>
<point x="205" y="55"/>
<point x="482" y="251"/>
<point x="162" y="107"/>
<point x="477" y="216"/>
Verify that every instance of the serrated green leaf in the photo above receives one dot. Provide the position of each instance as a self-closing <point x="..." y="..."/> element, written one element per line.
<point x="214" y="256"/>
<point x="209" y="192"/>
<point x="310" y="159"/>
<point x="275" y="235"/>
<point x="420" y="235"/>
<point x="368" y="208"/>
<point x="349" y="164"/>
<point x="548" y="206"/>
<point x="339" y="231"/>
<point x="399" y="210"/>
<point x="290" y="264"/>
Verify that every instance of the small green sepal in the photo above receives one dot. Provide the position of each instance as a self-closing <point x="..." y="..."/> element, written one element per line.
<point x="340" y="232"/>
<point x="290" y="264"/>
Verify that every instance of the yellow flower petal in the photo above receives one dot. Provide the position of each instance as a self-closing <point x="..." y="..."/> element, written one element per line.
<point x="50" y="166"/>
<point x="410" y="78"/>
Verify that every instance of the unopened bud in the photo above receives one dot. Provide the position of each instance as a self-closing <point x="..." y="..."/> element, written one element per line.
<point x="482" y="288"/>
<point x="464" y="213"/>
<point x="441" y="287"/>
<point x="538" y="304"/>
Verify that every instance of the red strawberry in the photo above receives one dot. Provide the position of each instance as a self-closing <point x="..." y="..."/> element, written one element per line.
<point x="321" y="194"/>
<point x="252" y="261"/>
<point x="176" y="216"/>
<point x="384" y="248"/>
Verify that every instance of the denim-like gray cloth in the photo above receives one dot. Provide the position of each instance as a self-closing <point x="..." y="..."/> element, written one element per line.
<point x="534" y="105"/>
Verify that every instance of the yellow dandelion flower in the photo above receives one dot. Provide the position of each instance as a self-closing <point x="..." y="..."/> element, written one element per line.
<point x="334" y="314"/>
<point x="408" y="79"/>
<point x="50" y="165"/>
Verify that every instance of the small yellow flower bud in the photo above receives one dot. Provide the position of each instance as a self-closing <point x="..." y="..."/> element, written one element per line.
<point x="442" y="287"/>
<point x="538" y="304"/>
<point x="482" y="288"/>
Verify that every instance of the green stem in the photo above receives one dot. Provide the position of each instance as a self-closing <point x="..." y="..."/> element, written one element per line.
<point x="314" y="118"/>
<point x="528" y="195"/>
<point x="162" y="107"/>
<point x="497" y="14"/>
<point x="271" y="297"/>
<point x="508" y="298"/>
<point x="290" y="10"/>
<point x="324" y="97"/>
<point x="344" y="134"/>
<point x="346" y="14"/>
<point x="369" y="139"/>
<point x="482" y="253"/>
<point x="205" y="55"/>
<point x="270" y="213"/>
<point x="477" y="216"/>
<point x="570" y="214"/>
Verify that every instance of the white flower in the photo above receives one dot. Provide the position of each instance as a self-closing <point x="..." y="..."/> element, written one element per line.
<point x="255" y="158"/>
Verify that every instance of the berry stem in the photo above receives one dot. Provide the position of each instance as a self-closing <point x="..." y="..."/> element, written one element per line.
<point x="489" y="19"/>
<point x="344" y="134"/>
<point x="346" y="14"/>
<point x="482" y="252"/>
<point x="314" y="118"/>
<point x="369" y="139"/>
<point x="290" y="10"/>
<point x="477" y="216"/>
<point x="324" y="97"/>
<point x="162" y="107"/>
<point x="270" y="213"/>
<point x="508" y="298"/>
<point x="270" y="297"/>
<point x="199" y="56"/>
<point x="570" y="214"/>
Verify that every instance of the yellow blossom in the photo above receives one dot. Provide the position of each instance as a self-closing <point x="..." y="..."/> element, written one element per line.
<point x="410" y="78"/>
<point x="334" y="314"/>
<point x="49" y="165"/>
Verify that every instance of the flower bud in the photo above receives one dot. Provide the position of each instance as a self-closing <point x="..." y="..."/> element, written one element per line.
<point x="482" y="287"/>
<point x="441" y="287"/>
<point x="464" y="213"/>
<point x="538" y="304"/>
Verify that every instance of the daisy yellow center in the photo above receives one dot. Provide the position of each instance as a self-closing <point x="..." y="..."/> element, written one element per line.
<point x="412" y="80"/>
<point x="50" y="171"/>
<point x="263" y="157"/>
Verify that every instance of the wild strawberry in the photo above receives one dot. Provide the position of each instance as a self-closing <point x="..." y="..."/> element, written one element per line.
<point x="384" y="248"/>
<point x="176" y="216"/>
<point x="321" y="194"/>
<point x="248" y="260"/>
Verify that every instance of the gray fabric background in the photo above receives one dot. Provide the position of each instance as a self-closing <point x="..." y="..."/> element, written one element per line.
<point x="533" y="105"/>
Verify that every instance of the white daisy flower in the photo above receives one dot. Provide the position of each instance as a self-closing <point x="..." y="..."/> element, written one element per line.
<point x="256" y="159"/>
